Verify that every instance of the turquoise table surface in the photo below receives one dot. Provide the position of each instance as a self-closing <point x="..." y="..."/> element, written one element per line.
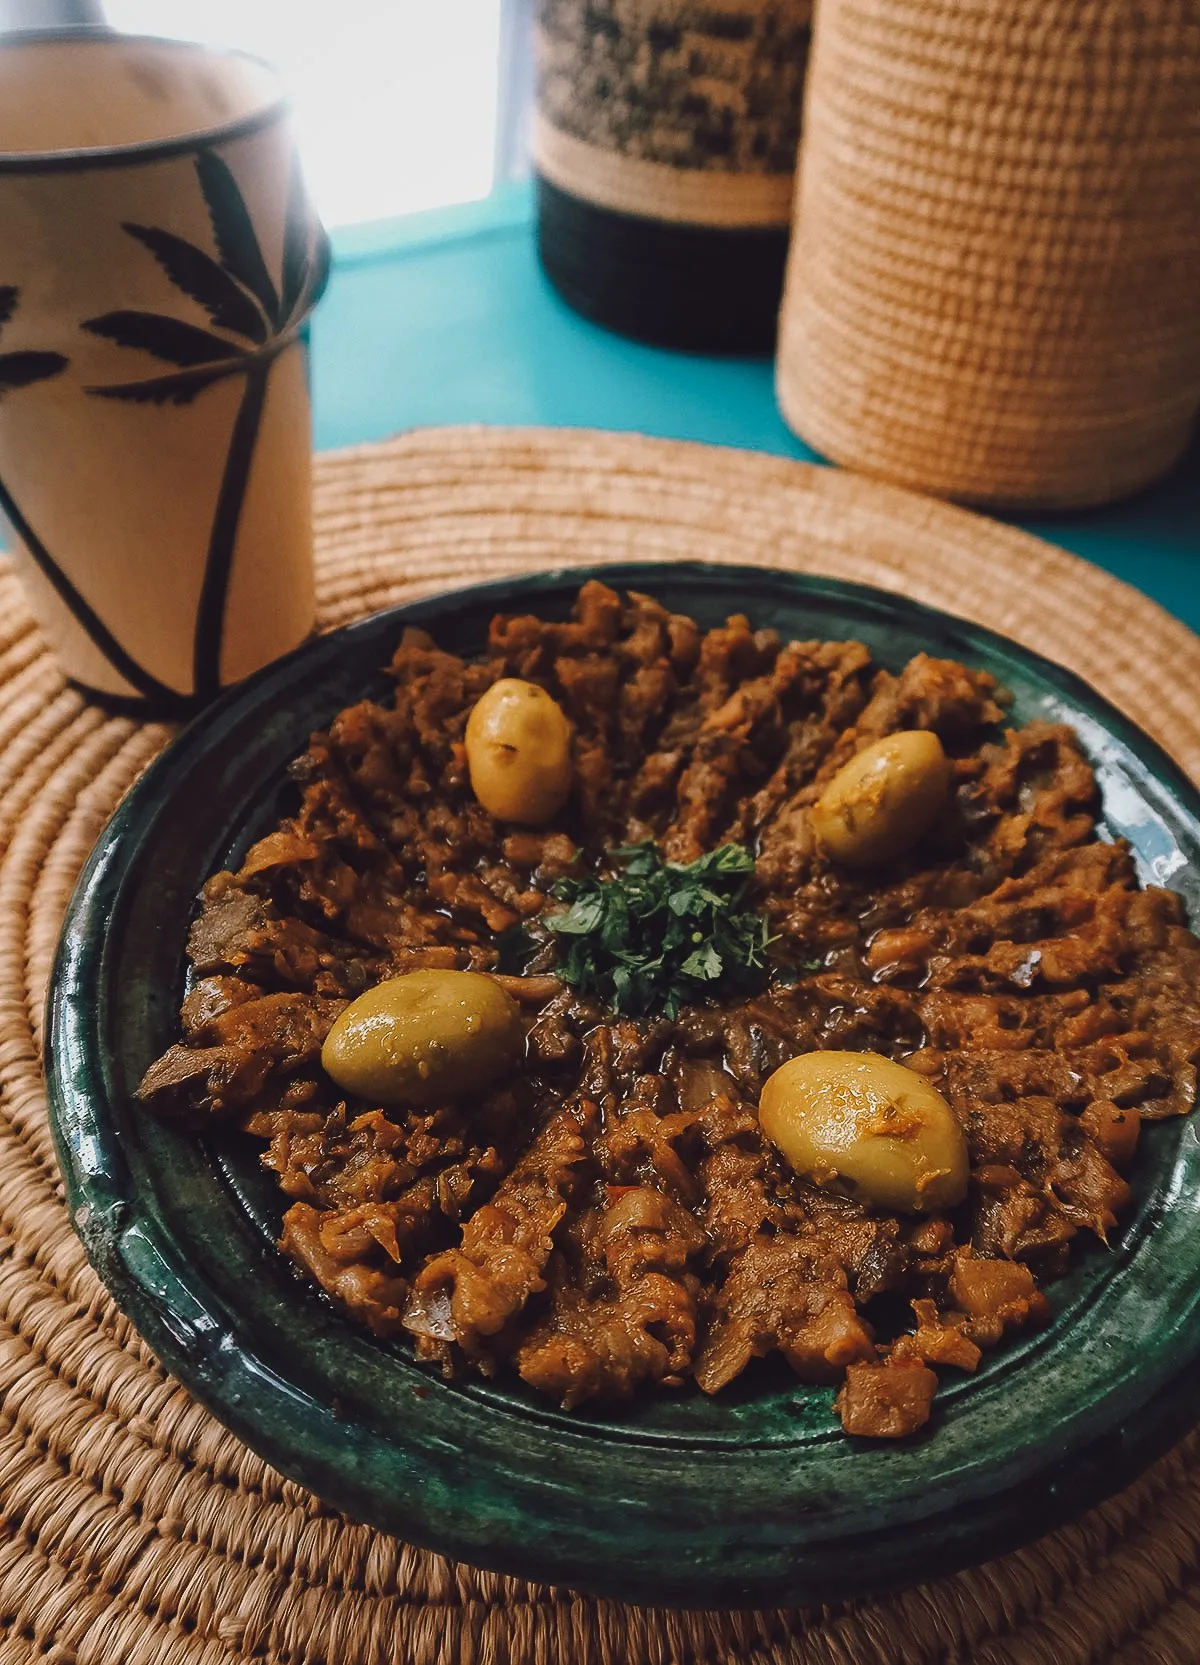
<point x="446" y="317"/>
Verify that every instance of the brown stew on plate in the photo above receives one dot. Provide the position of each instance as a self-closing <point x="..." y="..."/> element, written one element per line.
<point x="638" y="1001"/>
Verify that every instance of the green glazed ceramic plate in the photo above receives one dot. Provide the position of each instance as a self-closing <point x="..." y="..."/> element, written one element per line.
<point x="756" y="1498"/>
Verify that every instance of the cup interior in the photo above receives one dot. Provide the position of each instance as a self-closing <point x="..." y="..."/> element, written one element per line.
<point x="101" y="93"/>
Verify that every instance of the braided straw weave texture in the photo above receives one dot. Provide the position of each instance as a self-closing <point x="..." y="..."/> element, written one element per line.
<point x="993" y="290"/>
<point x="133" y="1529"/>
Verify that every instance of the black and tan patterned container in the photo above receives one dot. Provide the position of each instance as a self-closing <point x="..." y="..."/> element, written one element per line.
<point x="665" y="150"/>
<point x="994" y="282"/>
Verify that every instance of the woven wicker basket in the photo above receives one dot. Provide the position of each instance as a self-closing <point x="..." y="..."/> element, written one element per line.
<point x="665" y="148"/>
<point x="994" y="286"/>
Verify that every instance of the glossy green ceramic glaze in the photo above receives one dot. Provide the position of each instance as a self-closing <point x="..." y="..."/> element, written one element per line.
<point x="754" y="1498"/>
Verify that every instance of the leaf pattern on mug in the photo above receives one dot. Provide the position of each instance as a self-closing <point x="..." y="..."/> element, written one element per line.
<point x="178" y="389"/>
<point x="305" y="267"/>
<point x="233" y="231"/>
<point x="235" y="290"/>
<point x="198" y="275"/>
<point x="166" y="338"/>
<point x="23" y="369"/>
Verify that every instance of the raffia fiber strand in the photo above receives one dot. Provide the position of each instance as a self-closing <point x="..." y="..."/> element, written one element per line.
<point x="133" y="1528"/>
<point x="991" y="290"/>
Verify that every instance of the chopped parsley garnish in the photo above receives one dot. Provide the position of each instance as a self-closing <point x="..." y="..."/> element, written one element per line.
<point x="661" y="933"/>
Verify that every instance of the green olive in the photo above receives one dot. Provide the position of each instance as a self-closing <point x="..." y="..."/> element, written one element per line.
<point x="881" y="802"/>
<point x="871" y="1126"/>
<point x="425" y="1038"/>
<point x="519" y="752"/>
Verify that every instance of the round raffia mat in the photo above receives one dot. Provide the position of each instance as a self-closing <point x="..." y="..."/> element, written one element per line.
<point x="133" y="1529"/>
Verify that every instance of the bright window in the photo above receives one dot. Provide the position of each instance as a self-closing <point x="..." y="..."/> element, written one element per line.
<point x="394" y="100"/>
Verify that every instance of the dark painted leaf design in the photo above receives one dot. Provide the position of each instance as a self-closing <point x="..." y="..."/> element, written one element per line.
<point x="23" y="369"/>
<point x="179" y="389"/>
<point x="8" y="302"/>
<point x="193" y="271"/>
<point x="233" y="231"/>
<point x="295" y="241"/>
<point x="322" y="261"/>
<point x="165" y="338"/>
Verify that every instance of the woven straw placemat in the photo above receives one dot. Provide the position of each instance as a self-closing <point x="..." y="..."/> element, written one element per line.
<point x="133" y="1529"/>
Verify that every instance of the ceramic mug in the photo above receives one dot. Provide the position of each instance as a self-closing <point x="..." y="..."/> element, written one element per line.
<point x="158" y="260"/>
